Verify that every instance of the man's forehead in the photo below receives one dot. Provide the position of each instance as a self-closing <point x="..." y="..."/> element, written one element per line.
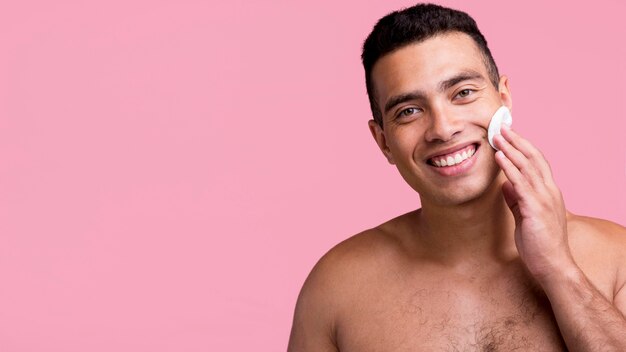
<point x="426" y="63"/>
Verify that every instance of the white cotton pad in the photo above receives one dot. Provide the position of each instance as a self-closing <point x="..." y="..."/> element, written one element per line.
<point x="501" y="117"/>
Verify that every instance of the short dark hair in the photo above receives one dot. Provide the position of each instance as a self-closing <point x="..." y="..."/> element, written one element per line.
<point x="413" y="25"/>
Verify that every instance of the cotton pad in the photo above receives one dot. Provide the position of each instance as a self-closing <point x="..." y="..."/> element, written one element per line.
<point x="501" y="117"/>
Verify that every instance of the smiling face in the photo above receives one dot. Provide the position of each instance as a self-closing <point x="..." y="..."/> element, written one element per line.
<point x="436" y="101"/>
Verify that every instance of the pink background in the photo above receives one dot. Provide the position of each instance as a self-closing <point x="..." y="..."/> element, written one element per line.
<point x="171" y="170"/>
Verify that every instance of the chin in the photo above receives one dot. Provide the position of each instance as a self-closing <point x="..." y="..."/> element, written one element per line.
<point x="456" y="198"/>
<point x="466" y="194"/>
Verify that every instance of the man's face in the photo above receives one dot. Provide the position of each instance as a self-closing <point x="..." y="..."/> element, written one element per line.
<point x="436" y="100"/>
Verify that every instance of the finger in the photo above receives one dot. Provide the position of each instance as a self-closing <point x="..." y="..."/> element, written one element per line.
<point x="528" y="150"/>
<point x="511" y="198"/>
<point x="520" y="161"/>
<point x="518" y="194"/>
<point x="520" y="184"/>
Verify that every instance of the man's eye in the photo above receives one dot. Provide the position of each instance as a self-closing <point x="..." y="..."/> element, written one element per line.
<point x="408" y="112"/>
<point x="465" y="92"/>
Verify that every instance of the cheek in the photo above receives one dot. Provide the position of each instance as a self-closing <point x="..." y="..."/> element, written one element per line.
<point x="405" y="140"/>
<point x="480" y="115"/>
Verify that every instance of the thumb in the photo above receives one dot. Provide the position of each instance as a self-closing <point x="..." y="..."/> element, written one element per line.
<point x="512" y="200"/>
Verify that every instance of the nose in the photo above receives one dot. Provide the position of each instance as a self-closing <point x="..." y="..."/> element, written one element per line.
<point x="443" y="125"/>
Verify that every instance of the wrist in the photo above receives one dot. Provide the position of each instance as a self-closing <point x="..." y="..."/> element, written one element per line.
<point x="561" y="277"/>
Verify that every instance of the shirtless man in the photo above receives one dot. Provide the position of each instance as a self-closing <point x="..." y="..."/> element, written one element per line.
<point x="492" y="261"/>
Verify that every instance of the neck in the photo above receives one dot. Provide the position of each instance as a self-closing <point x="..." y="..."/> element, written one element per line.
<point x="476" y="231"/>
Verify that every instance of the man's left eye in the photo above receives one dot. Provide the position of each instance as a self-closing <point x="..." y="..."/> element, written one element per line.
<point x="465" y="92"/>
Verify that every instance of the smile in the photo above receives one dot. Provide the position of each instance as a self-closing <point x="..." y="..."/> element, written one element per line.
<point x="454" y="158"/>
<point x="455" y="163"/>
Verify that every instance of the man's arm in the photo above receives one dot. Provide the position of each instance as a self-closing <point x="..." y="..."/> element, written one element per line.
<point x="587" y="320"/>
<point x="620" y="296"/>
<point x="588" y="317"/>
<point x="313" y="322"/>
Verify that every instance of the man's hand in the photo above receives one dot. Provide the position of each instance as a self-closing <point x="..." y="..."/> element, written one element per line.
<point x="587" y="320"/>
<point x="537" y="205"/>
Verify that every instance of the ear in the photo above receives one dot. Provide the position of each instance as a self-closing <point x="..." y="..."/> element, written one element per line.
<point x="379" y="137"/>
<point x="505" y="92"/>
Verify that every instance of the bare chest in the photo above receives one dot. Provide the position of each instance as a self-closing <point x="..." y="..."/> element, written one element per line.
<point x="449" y="315"/>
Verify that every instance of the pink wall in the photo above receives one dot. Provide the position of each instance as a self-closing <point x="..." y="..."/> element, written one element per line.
<point x="171" y="170"/>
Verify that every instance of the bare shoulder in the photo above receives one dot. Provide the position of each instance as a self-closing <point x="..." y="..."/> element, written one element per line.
<point x="599" y="247"/>
<point x="357" y="257"/>
<point x="347" y="263"/>
<point x="590" y="231"/>
<point x="330" y="288"/>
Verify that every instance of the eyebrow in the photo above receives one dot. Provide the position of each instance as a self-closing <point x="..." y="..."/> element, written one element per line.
<point x="442" y="86"/>
<point x="454" y="80"/>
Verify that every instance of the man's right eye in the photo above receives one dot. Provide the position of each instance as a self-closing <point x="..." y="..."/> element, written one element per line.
<point x="408" y="112"/>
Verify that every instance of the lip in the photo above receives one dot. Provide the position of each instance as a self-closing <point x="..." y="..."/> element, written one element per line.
<point x="458" y="168"/>
<point x="451" y="149"/>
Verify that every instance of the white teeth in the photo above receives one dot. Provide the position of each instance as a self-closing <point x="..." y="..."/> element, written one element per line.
<point x="456" y="159"/>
